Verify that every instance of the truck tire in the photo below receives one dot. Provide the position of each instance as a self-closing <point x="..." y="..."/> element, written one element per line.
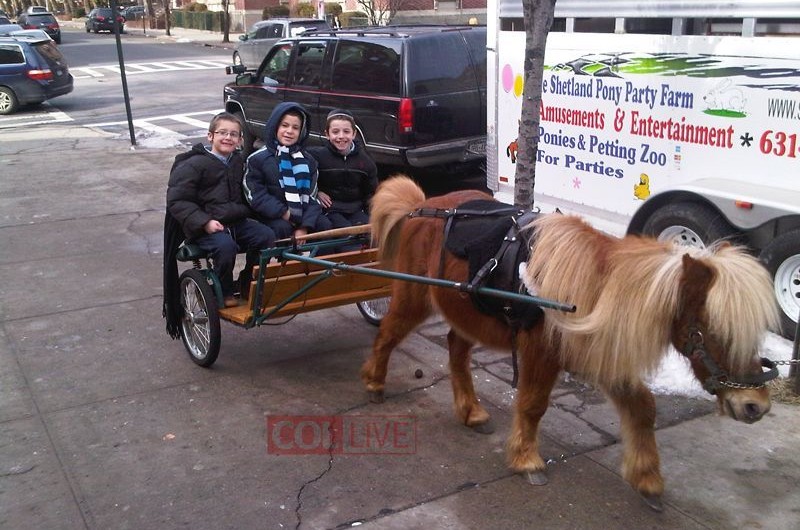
<point x="689" y="224"/>
<point x="247" y="137"/>
<point x="782" y="258"/>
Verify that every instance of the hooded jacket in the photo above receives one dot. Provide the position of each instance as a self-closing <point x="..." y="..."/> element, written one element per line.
<point x="262" y="187"/>
<point x="202" y="187"/>
<point x="350" y="180"/>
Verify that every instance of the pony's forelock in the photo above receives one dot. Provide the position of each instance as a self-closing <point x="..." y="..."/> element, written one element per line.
<point x="739" y="316"/>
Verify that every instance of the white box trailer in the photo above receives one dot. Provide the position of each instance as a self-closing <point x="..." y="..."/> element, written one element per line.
<point x="679" y="119"/>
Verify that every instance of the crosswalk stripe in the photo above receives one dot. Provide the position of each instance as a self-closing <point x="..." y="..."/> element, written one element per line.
<point x="190" y="121"/>
<point x="147" y="126"/>
<point x="86" y="72"/>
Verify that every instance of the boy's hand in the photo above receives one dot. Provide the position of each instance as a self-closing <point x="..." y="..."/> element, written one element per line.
<point x="286" y="215"/>
<point x="213" y="226"/>
<point x="324" y="199"/>
<point x="300" y="232"/>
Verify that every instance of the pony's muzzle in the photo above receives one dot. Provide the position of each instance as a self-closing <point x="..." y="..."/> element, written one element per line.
<point x="746" y="405"/>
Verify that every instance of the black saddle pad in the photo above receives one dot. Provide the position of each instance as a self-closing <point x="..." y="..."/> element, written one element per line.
<point x="477" y="236"/>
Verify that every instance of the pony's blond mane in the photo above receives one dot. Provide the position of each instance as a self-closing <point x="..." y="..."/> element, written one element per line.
<point x="627" y="293"/>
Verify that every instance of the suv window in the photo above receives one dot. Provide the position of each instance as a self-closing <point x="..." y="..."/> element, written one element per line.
<point x="441" y="66"/>
<point x="275" y="31"/>
<point x="50" y="52"/>
<point x="277" y="66"/>
<point x="308" y="64"/>
<point x="45" y="18"/>
<point x="11" y="54"/>
<point x="366" y="67"/>
<point x="296" y="28"/>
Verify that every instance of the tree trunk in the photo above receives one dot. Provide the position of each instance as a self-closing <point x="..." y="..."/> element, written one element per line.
<point x="167" y="25"/>
<point x="538" y="20"/>
<point x="226" y="21"/>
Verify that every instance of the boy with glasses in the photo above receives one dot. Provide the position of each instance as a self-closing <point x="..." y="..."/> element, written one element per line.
<point x="205" y="197"/>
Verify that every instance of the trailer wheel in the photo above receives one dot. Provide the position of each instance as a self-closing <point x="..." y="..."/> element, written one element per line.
<point x="782" y="259"/>
<point x="200" y="322"/>
<point x="689" y="224"/>
<point x="374" y="310"/>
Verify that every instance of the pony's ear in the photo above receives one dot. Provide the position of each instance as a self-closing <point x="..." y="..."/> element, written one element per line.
<point x="695" y="282"/>
<point x="723" y="244"/>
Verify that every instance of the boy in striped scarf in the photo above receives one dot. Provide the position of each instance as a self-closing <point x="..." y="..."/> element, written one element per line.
<point x="280" y="181"/>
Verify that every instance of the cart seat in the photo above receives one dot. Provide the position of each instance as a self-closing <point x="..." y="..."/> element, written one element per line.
<point x="190" y="252"/>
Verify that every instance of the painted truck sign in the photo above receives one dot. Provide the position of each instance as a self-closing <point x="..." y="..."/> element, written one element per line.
<point x="689" y="137"/>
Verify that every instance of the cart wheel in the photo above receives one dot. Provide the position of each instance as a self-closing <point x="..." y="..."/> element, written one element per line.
<point x="374" y="310"/>
<point x="200" y="322"/>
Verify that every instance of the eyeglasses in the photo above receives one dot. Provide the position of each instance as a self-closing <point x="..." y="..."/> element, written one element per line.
<point x="229" y="134"/>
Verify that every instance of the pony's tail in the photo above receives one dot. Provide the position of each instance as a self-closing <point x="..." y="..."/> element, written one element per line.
<point x="394" y="199"/>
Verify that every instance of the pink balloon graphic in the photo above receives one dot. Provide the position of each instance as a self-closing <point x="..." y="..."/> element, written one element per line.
<point x="508" y="78"/>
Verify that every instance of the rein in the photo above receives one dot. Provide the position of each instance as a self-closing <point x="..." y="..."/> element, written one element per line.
<point x="718" y="377"/>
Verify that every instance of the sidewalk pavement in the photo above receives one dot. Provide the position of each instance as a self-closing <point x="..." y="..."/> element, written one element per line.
<point x="105" y="423"/>
<point x="203" y="37"/>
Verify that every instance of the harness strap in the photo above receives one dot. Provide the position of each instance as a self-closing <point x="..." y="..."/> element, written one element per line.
<point x="514" y="363"/>
<point x="462" y="212"/>
<point x="442" y="251"/>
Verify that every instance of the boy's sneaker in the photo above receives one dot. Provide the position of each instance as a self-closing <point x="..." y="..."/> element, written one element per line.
<point x="230" y="301"/>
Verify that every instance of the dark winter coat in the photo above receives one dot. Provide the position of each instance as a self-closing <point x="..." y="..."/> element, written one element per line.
<point x="201" y="188"/>
<point x="262" y="186"/>
<point x="350" y="180"/>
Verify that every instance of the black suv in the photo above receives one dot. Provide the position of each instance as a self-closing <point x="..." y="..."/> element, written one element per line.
<point x="102" y="19"/>
<point x="32" y="70"/>
<point x="418" y="93"/>
<point x="41" y="20"/>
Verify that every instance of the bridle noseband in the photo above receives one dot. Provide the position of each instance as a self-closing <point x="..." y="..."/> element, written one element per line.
<point x="694" y="349"/>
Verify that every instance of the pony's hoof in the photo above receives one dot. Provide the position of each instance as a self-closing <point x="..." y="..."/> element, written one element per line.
<point x="486" y="427"/>
<point x="536" y="478"/>
<point x="376" y="396"/>
<point x="653" y="501"/>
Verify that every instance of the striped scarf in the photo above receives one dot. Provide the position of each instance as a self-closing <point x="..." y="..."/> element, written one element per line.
<point x="295" y="180"/>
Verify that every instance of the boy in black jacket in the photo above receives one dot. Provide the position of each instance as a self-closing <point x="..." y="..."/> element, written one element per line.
<point x="347" y="175"/>
<point x="205" y="196"/>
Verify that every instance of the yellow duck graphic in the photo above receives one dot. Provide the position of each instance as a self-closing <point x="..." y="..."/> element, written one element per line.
<point x="642" y="190"/>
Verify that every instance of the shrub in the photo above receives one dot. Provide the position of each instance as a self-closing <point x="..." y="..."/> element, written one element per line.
<point x="306" y="10"/>
<point x="196" y="7"/>
<point x="353" y="18"/>
<point x="279" y="11"/>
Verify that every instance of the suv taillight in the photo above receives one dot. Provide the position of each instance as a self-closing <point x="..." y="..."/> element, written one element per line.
<point x="40" y="75"/>
<point x="405" y="116"/>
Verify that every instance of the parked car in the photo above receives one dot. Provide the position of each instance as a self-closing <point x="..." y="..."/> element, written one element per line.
<point x="418" y="93"/>
<point x="32" y="70"/>
<point x="254" y="45"/>
<point x="102" y="19"/>
<point x="133" y="12"/>
<point x="43" y="21"/>
<point x="36" y="9"/>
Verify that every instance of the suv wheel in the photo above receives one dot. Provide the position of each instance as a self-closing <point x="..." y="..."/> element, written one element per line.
<point x="8" y="101"/>
<point x="247" y="137"/>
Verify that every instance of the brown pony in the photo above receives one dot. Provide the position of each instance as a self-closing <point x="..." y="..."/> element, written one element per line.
<point x="635" y="297"/>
